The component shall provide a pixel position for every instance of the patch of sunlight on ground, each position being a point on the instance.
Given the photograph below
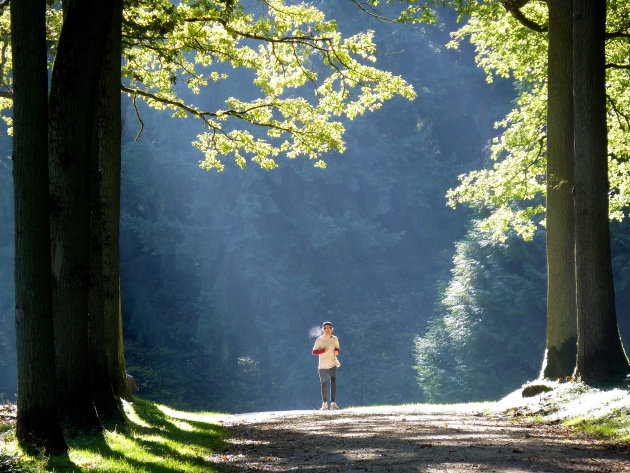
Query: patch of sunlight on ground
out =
(155, 440)
(193, 416)
(132, 416)
(604, 412)
(567, 400)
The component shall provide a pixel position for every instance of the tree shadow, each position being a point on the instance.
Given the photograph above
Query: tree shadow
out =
(150, 442)
(428, 444)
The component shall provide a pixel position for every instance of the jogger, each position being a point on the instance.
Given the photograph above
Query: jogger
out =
(327, 348)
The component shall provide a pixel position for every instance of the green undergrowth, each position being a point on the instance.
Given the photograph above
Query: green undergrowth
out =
(616, 425)
(156, 439)
(603, 412)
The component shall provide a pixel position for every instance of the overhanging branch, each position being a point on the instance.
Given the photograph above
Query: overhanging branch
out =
(367, 11)
(619, 113)
(513, 8)
(611, 65)
(240, 114)
(617, 34)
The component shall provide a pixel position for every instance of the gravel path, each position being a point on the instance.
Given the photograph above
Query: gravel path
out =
(409, 439)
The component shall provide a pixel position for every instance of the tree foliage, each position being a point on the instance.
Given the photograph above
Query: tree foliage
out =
(288, 47)
(171, 52)
(506, 46)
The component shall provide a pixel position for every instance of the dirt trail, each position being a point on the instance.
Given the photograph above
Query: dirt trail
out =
(409, 439)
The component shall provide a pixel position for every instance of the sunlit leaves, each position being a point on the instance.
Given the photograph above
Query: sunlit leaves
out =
(288, 48)
(503, 46)
(618, 101)
(307, 76)
(515, 184)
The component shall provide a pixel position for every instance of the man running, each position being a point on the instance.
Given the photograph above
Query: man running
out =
(327, 348)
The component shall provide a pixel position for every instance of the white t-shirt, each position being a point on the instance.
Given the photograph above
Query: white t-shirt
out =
(329, 359)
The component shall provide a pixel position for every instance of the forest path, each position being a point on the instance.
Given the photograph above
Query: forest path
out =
(420, 438)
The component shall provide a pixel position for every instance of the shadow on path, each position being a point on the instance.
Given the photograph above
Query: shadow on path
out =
(414, 440)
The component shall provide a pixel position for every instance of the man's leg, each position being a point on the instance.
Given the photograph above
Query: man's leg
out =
(323, 377)
(333, 388)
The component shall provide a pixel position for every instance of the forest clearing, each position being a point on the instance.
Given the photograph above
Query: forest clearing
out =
(473, 236)
(515, 434)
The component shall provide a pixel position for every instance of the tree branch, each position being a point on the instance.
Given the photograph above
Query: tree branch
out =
(513, 8)
(541, 150)
(307, 40)
(617, 66)
(6, 95)
(241, 114)
(365, 10)
(619, 113)
(617, 34)
(138, 116)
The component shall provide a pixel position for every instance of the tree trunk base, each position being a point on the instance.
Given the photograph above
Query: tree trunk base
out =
(39, 432)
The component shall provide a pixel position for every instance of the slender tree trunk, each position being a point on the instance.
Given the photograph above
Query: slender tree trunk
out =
(111, 211)
(600, 354)
(561, 311)
(106, 348)
(37, 419)
(72, 137)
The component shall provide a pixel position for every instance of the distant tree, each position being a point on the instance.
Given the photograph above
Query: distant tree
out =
(38, 421)
(600, 355)
(487, 331)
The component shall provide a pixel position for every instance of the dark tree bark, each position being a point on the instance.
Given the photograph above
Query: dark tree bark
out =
(109, 382)
(111, 159)
(37, 418)
(561, 310)
(72, 138)
(600, 354)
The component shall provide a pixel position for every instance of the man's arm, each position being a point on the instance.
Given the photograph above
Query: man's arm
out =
(317, 350)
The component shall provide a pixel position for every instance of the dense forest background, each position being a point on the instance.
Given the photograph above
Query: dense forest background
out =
(226, 277)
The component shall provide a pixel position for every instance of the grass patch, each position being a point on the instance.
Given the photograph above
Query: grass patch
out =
(156, 439)
(615, 425)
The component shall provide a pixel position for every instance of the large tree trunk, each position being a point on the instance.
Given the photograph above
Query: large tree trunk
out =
(37, 421)
(561, 311)
(600, 353)
(72, 137)
(106, 348)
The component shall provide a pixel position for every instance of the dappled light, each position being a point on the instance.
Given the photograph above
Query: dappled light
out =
(156, 440)
(409, 438)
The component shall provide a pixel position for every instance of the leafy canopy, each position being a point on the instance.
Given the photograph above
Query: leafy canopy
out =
(510, 40)
(308, 78)
(515, 184)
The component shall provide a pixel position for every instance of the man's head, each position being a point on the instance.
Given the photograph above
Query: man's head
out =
(327, 328)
